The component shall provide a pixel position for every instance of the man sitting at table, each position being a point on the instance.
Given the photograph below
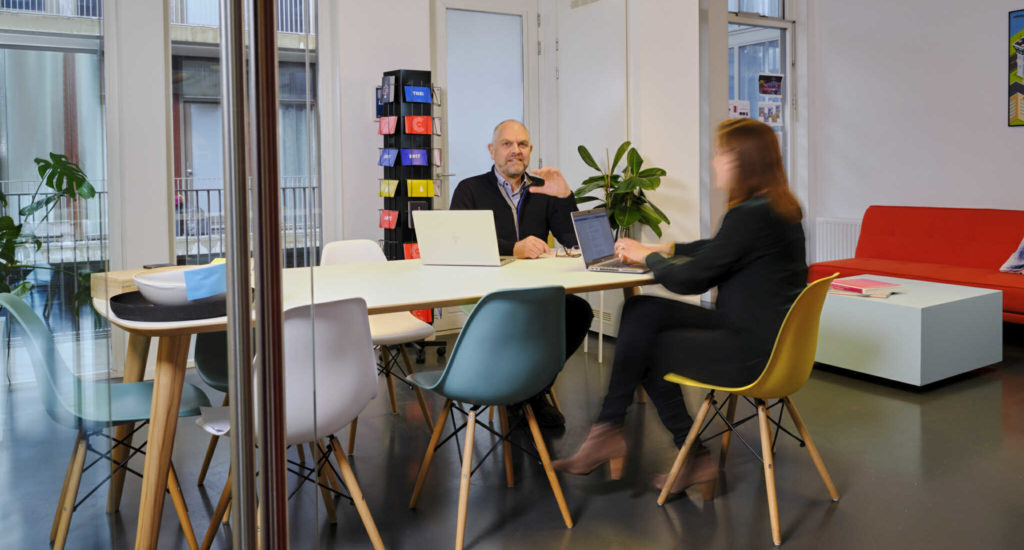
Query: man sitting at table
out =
(526, 208)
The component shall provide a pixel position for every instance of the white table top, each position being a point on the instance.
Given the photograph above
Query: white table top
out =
(917, 294)
(405, 285)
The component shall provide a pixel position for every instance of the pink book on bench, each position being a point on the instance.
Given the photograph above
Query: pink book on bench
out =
(864, 286)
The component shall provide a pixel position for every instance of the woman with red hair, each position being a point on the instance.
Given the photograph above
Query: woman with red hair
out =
(757, 261)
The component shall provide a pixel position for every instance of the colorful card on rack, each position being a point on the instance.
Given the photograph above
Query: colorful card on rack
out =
(435, 156)
(412, 251)
(417, 94)
(387, 157)
(418, 125)
(388, 188)
(420, 188)
(437, 126)
(380, 103)
(414, 157)
(414, 206)
(387, 89)
(388, 219)
(425, 315)
(436, 90)
(386, 125)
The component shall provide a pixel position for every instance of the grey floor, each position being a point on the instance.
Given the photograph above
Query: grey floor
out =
(940, 468)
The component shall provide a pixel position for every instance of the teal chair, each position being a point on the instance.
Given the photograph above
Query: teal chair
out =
(90, 408)
(511, 347)
(211, 358)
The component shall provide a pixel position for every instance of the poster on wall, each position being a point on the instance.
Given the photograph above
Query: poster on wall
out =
(769, 84)
(770, 113)
(1016, 114)
(739, 108)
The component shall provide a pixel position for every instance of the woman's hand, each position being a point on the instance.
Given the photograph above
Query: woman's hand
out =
(632, 252)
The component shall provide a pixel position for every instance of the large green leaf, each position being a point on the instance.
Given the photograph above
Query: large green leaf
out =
(652, 172)
(634, 161)
(588, 188)
(39, 204)
(658, 210)
(652, 222)
(588, 158)
(651, 213)
(649, 183)
(627, 215)
(618, 155)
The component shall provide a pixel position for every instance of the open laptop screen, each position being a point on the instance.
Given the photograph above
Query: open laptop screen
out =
(594, 234)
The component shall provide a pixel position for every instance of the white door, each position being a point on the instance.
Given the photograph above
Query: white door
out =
(485, 62)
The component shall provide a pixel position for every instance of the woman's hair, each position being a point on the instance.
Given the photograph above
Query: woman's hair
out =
(759, 169)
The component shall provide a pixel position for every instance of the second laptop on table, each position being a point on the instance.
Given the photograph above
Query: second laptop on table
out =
(594, 233)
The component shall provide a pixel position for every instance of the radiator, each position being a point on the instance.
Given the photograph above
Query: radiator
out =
(835, 239)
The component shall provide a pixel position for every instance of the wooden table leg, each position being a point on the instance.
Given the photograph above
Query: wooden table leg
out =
(134, 368)
(630, 291)
(172, 353)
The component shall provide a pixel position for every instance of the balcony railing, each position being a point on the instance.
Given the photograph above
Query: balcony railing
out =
(293, 16)
(75, 236)
(92, 9)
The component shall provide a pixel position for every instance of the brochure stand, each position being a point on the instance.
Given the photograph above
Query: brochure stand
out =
(408, 148)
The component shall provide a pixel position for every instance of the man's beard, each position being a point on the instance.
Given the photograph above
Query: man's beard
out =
(513, 171)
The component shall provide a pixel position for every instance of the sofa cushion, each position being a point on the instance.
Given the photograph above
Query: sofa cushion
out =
(1012, 284)
(969, 237)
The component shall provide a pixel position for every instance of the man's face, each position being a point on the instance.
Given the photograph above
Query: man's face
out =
(510, 150)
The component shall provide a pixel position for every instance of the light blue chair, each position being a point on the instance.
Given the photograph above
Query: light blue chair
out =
(90, 408)
(511, 347)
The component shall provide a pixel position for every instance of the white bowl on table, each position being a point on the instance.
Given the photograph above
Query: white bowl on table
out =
(166, 288)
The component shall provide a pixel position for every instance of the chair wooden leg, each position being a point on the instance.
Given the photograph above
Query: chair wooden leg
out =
(769, 471)
(467, 470)
(227, 514)
(554, 399)
(389, 379)
(64, 487)
(730, 415)
(218, 513)
(67, 506)
(212, 446)
(321, 476)
(506, 447)
(357, 495)
(545, 460)
(812, 449)
(641, 395)
(490, 415)
(181, 509)
(327, 468)
(134, 368)
(302, 453)
(419, 393)
(352, 435)
(429, 456)
(684, 453)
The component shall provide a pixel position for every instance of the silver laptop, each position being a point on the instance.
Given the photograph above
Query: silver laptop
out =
(457, 237)
(594, 234)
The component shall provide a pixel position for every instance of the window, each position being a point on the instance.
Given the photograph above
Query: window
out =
(767, 8)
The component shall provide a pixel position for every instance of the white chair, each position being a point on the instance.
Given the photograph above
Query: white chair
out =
(390, 331)
(327, 353)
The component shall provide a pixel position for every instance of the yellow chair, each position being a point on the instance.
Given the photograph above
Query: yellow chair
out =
(786, 372)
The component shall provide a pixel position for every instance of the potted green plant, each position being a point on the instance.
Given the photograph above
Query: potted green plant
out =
(59, 178)
(624, 192)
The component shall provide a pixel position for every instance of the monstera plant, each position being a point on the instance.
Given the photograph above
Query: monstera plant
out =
(59, 179)
(623, 193)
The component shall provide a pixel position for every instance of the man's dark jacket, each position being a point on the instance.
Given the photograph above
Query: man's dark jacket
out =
(538, 213)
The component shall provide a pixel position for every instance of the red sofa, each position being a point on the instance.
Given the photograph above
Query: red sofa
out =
(960, 246)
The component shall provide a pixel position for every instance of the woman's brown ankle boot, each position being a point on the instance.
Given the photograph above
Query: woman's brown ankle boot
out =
(604, 443)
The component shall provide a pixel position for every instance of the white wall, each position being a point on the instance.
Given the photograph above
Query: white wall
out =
(370, 38)
(909, 106)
